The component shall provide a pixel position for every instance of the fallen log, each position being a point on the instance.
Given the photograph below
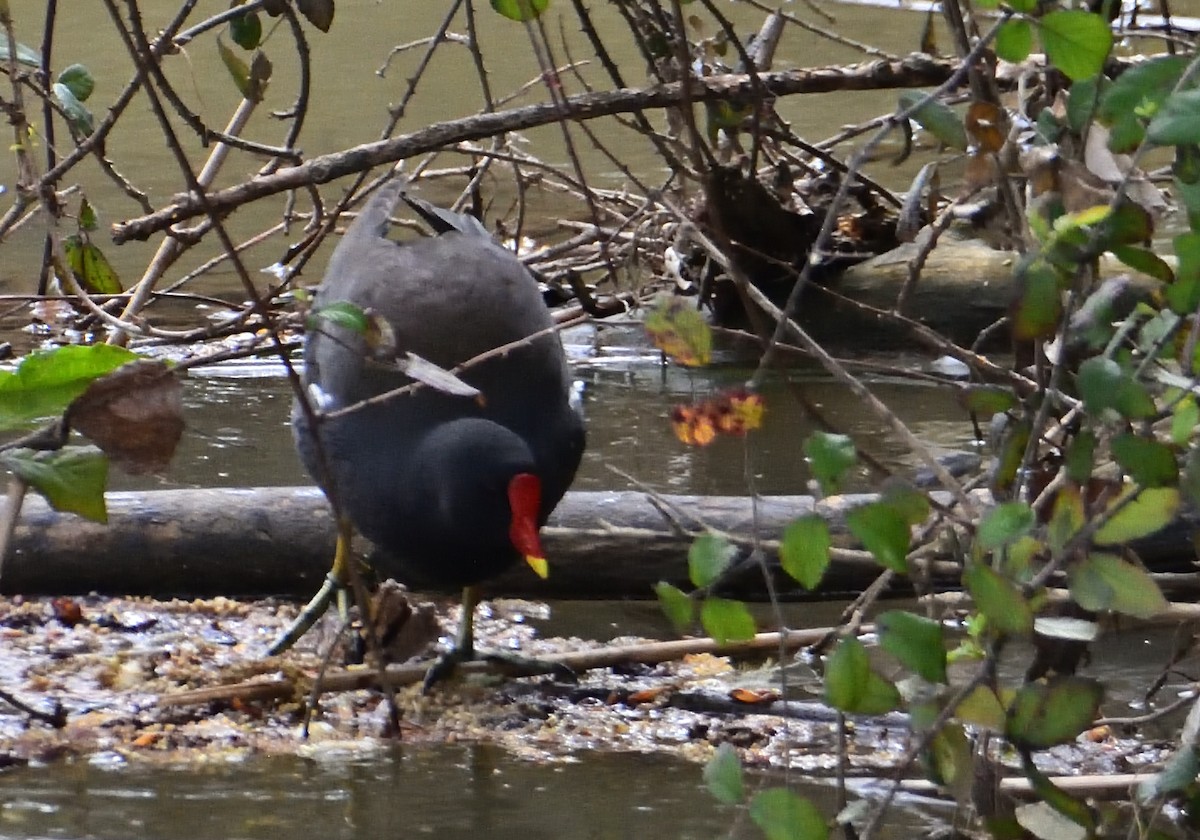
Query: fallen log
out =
(279, 541)
(965, 286)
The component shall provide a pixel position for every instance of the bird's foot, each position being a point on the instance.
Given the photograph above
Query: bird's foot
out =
(444, 667)
(308, 616)
(508, 664)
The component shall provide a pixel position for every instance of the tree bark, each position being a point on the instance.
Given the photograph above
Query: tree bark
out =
(916, 70)
(280, 540)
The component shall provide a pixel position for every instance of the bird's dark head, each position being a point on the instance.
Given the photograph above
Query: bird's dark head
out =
(480, 482)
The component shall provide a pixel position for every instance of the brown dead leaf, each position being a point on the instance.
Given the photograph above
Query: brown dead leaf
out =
(647, 695)
(732, 413)
(985, 122)
(1080, 188)
(147, 739)
(1040, 166)
(67, 611)
(402, 630)
(754, 696)
(134, 414)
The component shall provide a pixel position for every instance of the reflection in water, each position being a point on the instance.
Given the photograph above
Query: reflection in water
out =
(448, 792)
(238, 433)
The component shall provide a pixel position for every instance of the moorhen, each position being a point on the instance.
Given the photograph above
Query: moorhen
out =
(453, 488)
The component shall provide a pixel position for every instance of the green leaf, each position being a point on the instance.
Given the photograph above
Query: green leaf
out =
(1014, 41)
(981, 708)
(1186, 167)
(1076, 42)
(726, 621)
(1083, 100)
(951, 759)
(723, 775)
(91, 268)
(1145, 261)
(1067, 517)
(1087, 217)
(1050, 128)
(1145, 460)
(678, 607)
(246, 31)
(1048, 817)
(883, 531)
(937, 118)
(342, 314)
(1004, 524)
(907, 501)
(804, 550)
(916, 641)
(679, 331)
(25, 55)
(1046, 714)
(1177, 123)
(783, 815)
(72, 479)
(45, 383)
(1106, 582)
(1012, 451)
(1141, 90)
(81, 119)
(1183, 295)
(708, 557)
(1016, 562)
(999, 600)
(1184, 419)
(829, 457)
(1126, 134)
(846, 674)
(238, 69)
(78, 80)
(1152, 510)
(1103, 385)
(987, 400)
(520, 10)
(87, 215)
(1187, 193)
(1038, 304)
(851, 685)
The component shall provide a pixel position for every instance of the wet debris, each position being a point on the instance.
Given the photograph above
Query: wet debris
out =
(105, 665)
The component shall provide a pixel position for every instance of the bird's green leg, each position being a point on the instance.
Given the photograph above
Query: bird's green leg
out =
(333, 587)
(464, 643)
(464, 651)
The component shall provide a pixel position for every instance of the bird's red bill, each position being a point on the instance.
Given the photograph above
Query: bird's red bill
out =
(525, 501)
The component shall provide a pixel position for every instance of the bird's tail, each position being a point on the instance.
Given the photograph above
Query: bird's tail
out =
(372, 221)
(444, 221)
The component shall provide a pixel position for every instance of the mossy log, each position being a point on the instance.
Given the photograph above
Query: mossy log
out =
(279, 541)
(965, 286)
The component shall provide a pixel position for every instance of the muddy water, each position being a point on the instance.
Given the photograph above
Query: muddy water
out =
(350, 102)
(238, 425)
(448, 793)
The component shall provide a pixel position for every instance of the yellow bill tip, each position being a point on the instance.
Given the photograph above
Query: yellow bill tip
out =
(539, 565)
